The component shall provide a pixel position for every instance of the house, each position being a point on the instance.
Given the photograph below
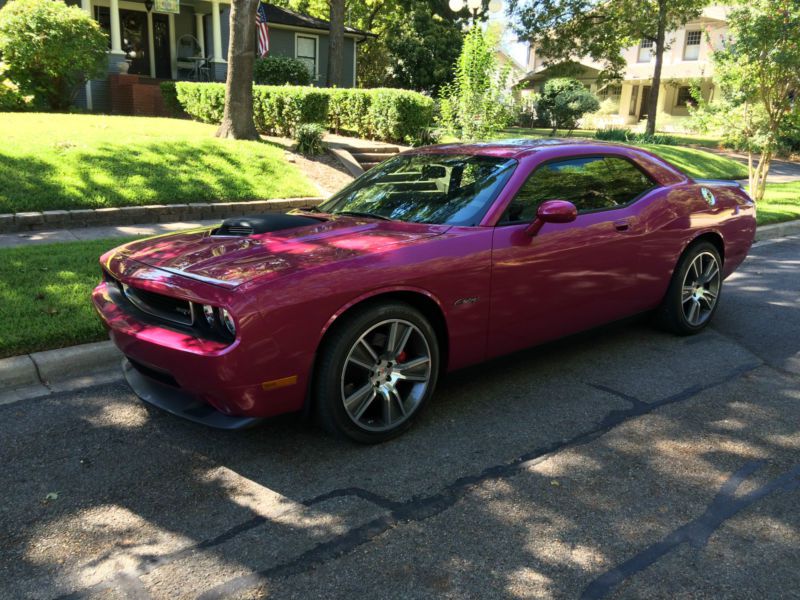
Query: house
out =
(156, 40)
(687, 62)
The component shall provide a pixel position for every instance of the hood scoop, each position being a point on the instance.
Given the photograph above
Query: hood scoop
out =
(254, 224)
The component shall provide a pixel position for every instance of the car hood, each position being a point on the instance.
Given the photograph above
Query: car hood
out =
(231, 261)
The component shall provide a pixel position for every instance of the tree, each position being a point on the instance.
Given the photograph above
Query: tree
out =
(418, 40)
(564, 101)
(758, 74)
(336, 43)
(566, 30)
(472, 106)
(237, 120)
(50, 49)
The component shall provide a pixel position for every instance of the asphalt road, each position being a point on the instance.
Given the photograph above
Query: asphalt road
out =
(624, 463)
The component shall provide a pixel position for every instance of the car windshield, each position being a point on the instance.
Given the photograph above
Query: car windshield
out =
(443, 189)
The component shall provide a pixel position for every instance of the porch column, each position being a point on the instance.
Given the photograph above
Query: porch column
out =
(151, 45)
(201, 33)
(173, 46)
(216, 32)
(116, 34)
(86, 5)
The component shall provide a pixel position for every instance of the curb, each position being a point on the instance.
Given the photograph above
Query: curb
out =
(152, 213)
(43, 373)
(778, 230)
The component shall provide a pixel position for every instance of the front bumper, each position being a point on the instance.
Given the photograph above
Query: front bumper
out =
(181, 373)
(180, 403)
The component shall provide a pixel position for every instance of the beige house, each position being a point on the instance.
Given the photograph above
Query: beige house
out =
(686, 61)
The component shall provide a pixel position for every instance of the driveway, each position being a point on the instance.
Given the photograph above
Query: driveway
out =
(623, 463)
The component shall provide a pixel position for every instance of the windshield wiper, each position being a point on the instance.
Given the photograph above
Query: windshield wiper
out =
(358, 213)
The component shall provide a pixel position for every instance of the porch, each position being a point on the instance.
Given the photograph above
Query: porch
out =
(152, 41)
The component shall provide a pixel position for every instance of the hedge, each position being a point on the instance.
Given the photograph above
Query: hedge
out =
(383, 114)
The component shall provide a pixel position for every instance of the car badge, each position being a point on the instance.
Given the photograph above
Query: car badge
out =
(708, 196)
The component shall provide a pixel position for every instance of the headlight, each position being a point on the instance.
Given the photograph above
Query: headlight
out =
(228, 320)
(208, 313)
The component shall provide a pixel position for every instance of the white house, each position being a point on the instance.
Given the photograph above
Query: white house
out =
(686, 61)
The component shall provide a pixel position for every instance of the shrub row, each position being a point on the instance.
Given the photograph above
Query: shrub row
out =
(383, 114)
(616, 134)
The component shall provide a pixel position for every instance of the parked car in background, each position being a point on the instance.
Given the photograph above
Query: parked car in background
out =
(437, 259)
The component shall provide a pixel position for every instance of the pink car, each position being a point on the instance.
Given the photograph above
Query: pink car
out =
(437, 259)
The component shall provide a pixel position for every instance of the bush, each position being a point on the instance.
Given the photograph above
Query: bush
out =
(564, 101)
(281, 70)
(170, 96)
(614, 134)
(10, 97)
(384, 114)
(50, 49)
(309, 139)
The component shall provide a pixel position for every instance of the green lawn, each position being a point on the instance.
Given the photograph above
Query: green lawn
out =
(699, 163)
(781, 203)
(63, 161)
(45, 295)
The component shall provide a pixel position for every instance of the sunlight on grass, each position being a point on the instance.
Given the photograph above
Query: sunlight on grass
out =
(781, 203)
(45, 295)
(699, 163)
(61, 161)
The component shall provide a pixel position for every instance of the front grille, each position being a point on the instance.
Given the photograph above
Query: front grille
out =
(158, 305)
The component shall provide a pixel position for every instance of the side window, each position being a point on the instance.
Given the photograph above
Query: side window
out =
(590, 183)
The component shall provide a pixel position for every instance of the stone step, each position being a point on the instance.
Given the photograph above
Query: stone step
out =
(368, 165)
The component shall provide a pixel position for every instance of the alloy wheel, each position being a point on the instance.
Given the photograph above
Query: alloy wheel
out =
(385, 375)
(700, 289)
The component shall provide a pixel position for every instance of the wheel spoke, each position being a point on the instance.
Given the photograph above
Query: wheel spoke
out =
(397, 397)
(387, 407)
(710, 273)
(697, 267)
(693, 310)
(369, 349)
(357, 402)
(405, 370)
(688, 292)
(360, 363)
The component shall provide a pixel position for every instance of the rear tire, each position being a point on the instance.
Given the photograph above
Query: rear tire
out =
(693, 294)
(375, 372)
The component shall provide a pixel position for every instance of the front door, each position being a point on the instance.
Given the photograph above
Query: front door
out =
(135, 40)
(645, 100)
(161, 46)
(572, 276)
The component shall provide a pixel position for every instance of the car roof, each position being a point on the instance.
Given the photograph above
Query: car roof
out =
(516, 148)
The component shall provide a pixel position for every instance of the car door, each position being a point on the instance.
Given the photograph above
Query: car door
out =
(569, 276)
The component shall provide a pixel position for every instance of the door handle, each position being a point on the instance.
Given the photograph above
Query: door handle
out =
(622, 225)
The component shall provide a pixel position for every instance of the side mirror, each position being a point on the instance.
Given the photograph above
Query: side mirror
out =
(552, 211)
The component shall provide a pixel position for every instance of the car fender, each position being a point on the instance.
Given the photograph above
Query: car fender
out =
(374, 293)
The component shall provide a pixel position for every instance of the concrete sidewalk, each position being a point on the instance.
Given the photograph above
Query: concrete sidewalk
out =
(51, 236)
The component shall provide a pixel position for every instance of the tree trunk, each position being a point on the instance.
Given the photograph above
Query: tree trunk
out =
(336, 44)
(237, 121)
(652, 99)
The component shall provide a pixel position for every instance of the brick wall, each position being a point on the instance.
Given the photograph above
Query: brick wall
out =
(135, 95)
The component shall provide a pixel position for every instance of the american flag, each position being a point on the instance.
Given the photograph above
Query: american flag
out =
(263, 31)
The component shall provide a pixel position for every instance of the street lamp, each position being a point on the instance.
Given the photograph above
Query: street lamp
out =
(474, 6)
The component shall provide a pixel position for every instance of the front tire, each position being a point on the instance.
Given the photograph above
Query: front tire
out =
(693, 294)
(375, 372)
